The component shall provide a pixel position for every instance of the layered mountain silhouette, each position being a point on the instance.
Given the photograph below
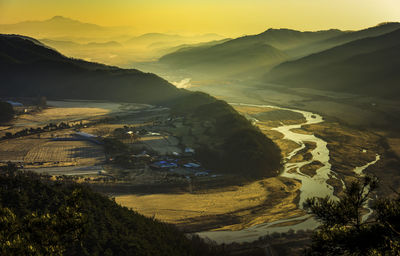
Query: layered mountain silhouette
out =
(244, 56)
(366, 66)
(226, 58)
(120, 46)
(250, 56)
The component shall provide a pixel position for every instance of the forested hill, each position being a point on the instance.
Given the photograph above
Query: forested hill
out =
(44, 217)
(367, 66)
(28, 68)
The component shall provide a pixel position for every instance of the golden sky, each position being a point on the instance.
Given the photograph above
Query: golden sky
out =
(227, 17)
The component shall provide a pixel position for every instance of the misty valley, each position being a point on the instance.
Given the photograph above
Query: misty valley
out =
(284, 142)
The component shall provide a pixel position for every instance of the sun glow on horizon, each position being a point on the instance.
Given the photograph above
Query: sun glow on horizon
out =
(230, 18)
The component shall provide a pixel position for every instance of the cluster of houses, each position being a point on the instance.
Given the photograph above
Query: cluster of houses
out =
(183, 164)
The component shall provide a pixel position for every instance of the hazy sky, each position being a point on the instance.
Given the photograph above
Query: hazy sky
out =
(228, 17)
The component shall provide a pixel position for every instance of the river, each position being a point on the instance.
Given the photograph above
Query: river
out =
(315, 186)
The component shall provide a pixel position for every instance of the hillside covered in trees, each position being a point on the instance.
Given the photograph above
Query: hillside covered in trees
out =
(44, 217)
(231, 143)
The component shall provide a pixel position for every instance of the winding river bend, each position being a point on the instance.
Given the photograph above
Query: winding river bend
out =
(315, 186)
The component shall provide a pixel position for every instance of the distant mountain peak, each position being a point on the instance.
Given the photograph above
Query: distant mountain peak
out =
(60, 18)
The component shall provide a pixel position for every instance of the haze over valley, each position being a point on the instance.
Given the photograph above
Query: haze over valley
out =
(199, 129)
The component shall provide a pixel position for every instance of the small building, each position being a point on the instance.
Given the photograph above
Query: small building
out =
(191, 165)
(163, 165)
(14, 103)
(189, 150)
(153, 134)
(201, 174)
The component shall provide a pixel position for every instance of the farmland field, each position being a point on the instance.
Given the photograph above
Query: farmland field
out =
(48, 152)
(75, 152)
(16, 150)
(56, 115)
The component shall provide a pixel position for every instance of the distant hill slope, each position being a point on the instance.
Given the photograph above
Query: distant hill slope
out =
(284, 39)
(227, 58)
(367, 66)
(29, 69)
(245, 55)
(159, 39)
(70, 44)
(187, 46)
(342, 38)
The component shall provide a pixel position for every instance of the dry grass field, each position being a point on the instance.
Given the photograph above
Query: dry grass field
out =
(258, 202)
(57, 115)
(270, 116)
(251, 110)
(348, 147)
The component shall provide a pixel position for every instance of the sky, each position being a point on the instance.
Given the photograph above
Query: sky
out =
(227, 17)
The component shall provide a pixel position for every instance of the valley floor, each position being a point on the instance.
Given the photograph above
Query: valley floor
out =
(209, 203)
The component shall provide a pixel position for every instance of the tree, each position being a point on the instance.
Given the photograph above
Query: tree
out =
(6, 112)
(102, 131)
(42, 101)
(344, 232)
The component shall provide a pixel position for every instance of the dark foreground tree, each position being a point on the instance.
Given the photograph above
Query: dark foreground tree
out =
(6, 112)
(343, 230)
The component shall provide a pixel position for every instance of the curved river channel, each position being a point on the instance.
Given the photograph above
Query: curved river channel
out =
(315, 186)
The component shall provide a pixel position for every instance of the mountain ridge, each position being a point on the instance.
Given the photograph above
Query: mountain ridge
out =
(291, 44)
(360, 66)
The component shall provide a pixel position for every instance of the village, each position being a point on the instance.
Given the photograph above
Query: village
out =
(136, 147)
